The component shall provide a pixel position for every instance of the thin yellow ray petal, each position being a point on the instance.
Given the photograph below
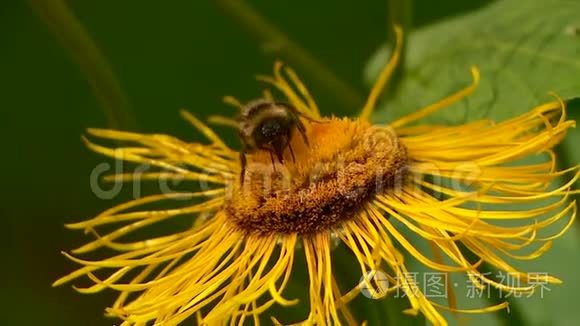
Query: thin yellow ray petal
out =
(223, 121)
(123, 155)
(384, 76)
(233, 102)
(497, 307)
(416, 253)
(574, 208)
(204, 129)
(124, 230)
(159, 197)
(102, 219)
(441, 104)
(304, 91)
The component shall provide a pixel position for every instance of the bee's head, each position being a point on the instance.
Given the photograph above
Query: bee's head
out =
(269, 126)
(274, 131)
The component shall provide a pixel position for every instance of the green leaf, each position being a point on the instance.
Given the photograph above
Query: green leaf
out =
(524, 49)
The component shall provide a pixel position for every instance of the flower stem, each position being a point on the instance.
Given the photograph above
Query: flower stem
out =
(72, 35)
(269, 35)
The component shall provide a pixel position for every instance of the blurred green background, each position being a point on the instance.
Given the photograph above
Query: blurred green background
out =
(165, 56)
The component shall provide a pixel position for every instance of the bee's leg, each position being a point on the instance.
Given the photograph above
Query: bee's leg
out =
(302, 130)
(273, 163)
(278, 146)
(292, 152)
(243, 165)
(279, 155)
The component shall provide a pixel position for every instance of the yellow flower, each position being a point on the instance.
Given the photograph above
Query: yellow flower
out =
(361, 183)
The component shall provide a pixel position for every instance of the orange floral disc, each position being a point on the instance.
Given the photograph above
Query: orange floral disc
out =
(345, 163)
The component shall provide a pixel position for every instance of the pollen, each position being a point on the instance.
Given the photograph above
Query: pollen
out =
(318, 184)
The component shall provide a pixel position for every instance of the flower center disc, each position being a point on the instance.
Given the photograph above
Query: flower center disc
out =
(345, 163)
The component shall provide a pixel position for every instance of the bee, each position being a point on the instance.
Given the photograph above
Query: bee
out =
(267, 125)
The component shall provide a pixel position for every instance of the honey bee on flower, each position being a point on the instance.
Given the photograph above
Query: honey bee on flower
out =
(303, 180)
(267, 125)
